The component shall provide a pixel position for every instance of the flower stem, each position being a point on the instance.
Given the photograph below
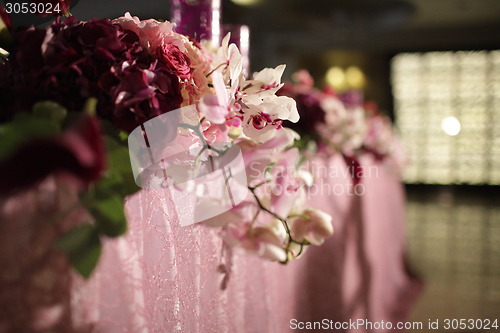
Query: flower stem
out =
(283, 221)
(216, 68)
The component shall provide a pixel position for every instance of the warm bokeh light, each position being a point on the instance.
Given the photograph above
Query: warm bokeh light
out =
(451, 126)
(354, 77)
(246, 2)
(335, 77)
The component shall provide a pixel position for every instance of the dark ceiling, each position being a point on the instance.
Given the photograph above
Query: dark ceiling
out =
(310, 34)
(297, 27)
(374, 24)
(316, 34)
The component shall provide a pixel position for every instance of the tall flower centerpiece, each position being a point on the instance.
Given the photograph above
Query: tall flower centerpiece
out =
(123, 73)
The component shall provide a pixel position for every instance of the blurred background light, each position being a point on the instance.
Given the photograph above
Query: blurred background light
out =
(428, 87)
(246, 2)
(450, 126)
(354, 77)
(336, 78)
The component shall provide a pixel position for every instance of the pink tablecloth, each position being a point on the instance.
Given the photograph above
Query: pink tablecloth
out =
(162, 277)
(359, 273)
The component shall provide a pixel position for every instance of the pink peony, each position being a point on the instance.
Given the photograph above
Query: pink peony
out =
(152, 33)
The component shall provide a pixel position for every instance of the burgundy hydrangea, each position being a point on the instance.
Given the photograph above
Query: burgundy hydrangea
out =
(138, 93)
(73, 60)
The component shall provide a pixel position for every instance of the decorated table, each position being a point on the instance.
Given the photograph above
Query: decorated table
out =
(161, 277)
(150, 185)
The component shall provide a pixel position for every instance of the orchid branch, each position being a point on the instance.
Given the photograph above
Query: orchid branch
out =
(283, 221)
(216, 68)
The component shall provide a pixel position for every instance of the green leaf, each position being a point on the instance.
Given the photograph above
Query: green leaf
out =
(105, 200)
(123, 136)
(22, 129)
(119, 168)
(90, 106)
(50, 110)
(118, 157)
(109, 215)
(44, 122)
(83, 248)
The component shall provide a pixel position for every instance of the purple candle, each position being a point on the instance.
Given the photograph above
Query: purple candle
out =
(240, 36)
(199, 19)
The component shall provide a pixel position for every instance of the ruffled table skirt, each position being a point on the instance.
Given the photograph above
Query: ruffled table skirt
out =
(161, 277)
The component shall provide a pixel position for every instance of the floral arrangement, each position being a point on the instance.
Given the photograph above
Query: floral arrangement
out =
(71, 93)
(344, 126)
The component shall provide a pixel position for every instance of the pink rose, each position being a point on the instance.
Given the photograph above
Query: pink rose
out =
(177, 62)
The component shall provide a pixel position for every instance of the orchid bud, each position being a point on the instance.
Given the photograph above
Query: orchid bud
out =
(312, 225)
